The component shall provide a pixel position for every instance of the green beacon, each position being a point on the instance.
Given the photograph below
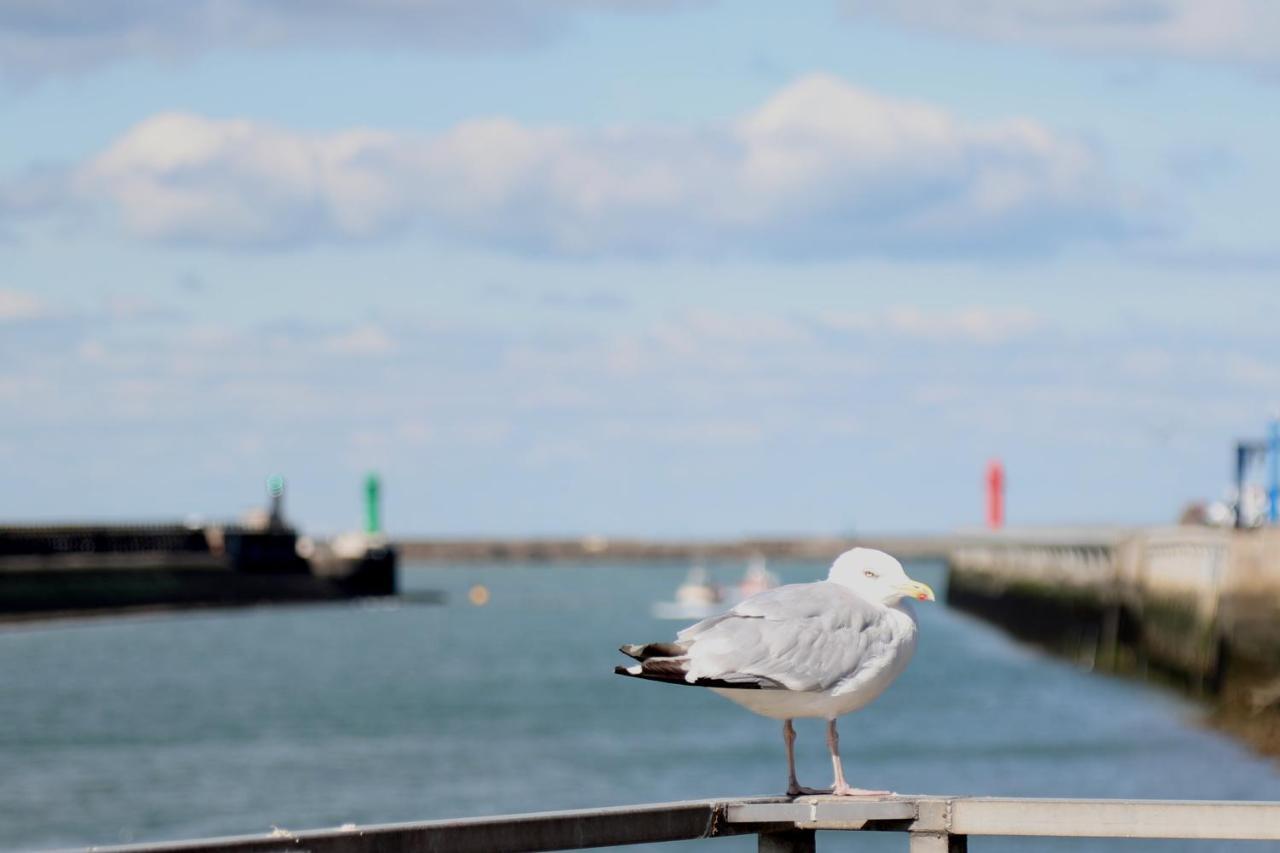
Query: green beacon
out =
(372, 504)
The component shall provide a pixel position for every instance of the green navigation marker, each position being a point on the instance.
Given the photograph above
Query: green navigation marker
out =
(275, 493)
(372, 495)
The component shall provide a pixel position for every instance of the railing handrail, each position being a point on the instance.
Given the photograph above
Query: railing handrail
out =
(932, 822)
(574, 829)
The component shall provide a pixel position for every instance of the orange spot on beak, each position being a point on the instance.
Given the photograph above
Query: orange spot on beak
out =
(919, 591)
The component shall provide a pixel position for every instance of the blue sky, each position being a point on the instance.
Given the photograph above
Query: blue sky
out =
(675, 269)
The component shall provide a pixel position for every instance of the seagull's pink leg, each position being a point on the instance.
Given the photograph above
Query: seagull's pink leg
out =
(794, 788)
(841, 788)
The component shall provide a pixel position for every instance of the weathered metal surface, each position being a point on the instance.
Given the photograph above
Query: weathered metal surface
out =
(1117, 818)
(566, 830)
(823, 813)
(937, 842)
(933, 824)
(787, 841)
(1013, 816)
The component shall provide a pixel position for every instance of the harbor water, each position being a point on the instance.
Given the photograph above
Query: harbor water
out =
(226, 722)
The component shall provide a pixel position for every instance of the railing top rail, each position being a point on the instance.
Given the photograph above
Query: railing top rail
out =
(1045, 817)
(678, 821)
(557, 830)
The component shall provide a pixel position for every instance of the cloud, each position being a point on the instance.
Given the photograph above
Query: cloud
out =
(694, 433)
(38, 38)
(366, 340)
(736, 418)
(1239, 31)
(18, 305)
(594, 300)
(32, 194)
(822, 168)
(981, 325)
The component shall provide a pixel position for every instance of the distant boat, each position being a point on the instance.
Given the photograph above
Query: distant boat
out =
(757, 579)
(697, 598)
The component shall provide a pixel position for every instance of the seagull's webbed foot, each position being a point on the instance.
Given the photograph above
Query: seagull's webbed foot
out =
(841, 787)
(843, 790)
(794, 788)
(802, 791)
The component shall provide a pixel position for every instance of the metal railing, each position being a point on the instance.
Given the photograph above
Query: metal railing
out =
(783, 825)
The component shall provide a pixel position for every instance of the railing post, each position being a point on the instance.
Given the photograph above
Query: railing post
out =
(787, 841)
(937, 842)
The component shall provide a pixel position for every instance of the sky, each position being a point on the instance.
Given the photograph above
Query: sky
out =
(676, 268)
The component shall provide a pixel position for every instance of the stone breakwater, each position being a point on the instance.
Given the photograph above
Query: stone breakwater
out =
(603, 549)
(1199, 607)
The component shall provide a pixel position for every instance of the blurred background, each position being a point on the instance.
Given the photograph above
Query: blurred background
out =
(668, 271)
(741, 269)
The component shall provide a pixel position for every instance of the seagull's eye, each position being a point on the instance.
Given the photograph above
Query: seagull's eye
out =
(870, 574)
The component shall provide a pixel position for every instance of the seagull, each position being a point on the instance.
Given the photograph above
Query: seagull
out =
(819, 649)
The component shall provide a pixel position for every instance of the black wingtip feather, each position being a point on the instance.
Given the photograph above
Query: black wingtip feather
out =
(675, 678)
(644, 651)
(667, 662)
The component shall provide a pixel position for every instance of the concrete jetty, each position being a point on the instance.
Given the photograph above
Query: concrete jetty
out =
(55, 570)
(66, 570)
(1197, 605)
(609, 549)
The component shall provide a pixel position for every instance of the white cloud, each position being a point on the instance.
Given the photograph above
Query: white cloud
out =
(822, 168)
(735, 403)
(698, 329)
(367, 339)
(19, 305)
(1245, 31)
(94, 352)
(976, 324)
(39, 37)
(1147, 363)
(695, 433)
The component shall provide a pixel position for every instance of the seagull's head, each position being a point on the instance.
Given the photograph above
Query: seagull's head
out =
(877, 577)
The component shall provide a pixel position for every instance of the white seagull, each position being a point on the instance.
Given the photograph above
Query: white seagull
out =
(802, 650)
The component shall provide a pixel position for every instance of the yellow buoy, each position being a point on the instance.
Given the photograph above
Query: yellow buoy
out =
(479, 595)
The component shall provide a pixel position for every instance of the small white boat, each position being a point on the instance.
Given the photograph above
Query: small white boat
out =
(697, 598)
(757, 579)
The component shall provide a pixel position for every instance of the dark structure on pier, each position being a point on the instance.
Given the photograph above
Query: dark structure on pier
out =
(67, 569)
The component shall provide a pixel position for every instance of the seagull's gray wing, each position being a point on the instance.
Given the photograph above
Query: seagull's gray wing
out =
(804, 637)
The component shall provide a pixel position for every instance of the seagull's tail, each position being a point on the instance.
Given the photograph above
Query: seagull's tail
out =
(668, 662)
(643, 652)
(658, 662)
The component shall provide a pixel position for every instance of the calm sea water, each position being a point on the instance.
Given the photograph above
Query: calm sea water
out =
(203, 724)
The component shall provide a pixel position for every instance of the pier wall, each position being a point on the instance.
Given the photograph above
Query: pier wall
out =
(598, 549)
(1199, 606)
(61, 570)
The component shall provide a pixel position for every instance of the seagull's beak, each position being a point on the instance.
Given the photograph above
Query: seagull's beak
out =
(917, 590)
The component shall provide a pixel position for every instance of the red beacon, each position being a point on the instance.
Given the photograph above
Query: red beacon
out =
(995, 494)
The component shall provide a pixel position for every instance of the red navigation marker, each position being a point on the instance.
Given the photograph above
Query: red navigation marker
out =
(995, 494)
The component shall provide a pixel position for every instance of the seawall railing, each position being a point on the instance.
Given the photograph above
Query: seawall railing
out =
(932, 824)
